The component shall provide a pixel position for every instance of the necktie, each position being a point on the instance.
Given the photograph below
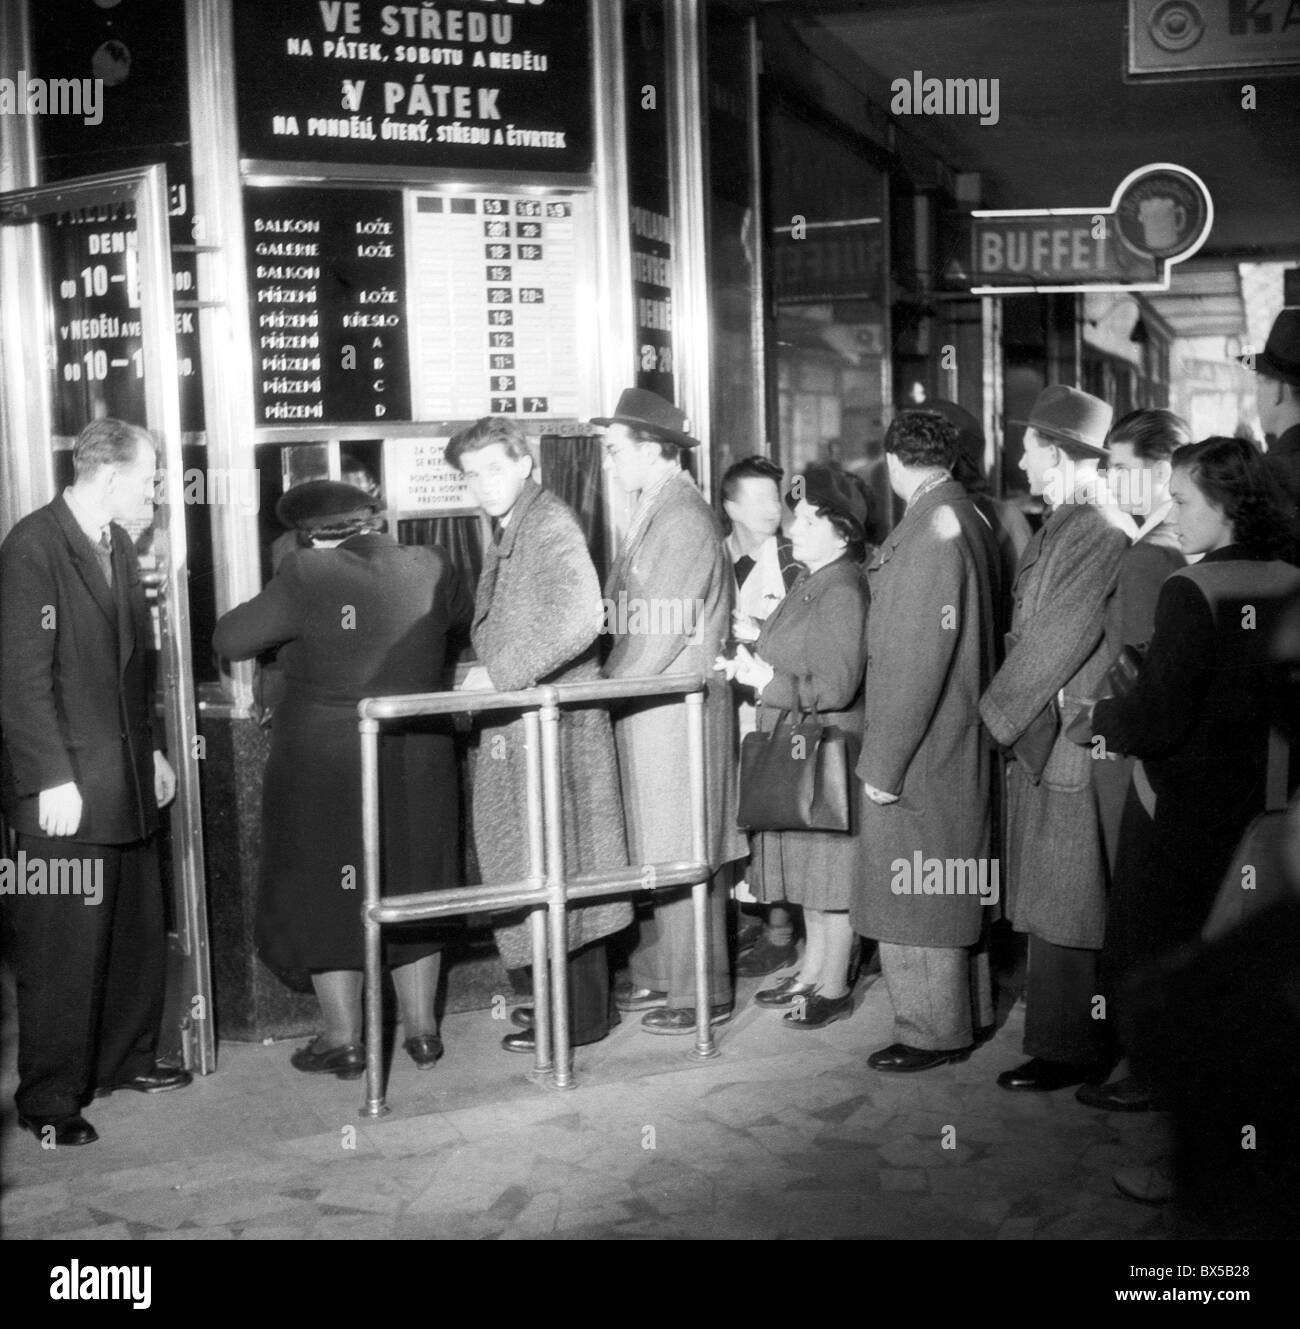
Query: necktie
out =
(104, 552)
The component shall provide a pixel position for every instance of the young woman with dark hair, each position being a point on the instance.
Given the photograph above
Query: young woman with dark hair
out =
(1200, 713)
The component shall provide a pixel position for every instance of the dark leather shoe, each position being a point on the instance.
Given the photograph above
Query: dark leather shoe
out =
(1043, 1076)
(523, 1017)
(628, 998)
(816, 1012)
(900, 1057)
(765, 958)
(424, 1050)
(681, 1019)
(1126, 1095)
(525, 1040)
(70, 1130)
(785, 992)
(156, 1081)
(347, 1062)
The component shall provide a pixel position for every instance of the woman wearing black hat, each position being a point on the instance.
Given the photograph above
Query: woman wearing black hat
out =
(358, 615)
(811, 653)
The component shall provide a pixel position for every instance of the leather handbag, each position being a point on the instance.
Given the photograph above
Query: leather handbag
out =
(1122, 676)
(797, 777)
(1120, 680)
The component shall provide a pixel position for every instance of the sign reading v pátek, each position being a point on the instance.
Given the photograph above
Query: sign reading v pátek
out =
(1159, 215)
(499, 85)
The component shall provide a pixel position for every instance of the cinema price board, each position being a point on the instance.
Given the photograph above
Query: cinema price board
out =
(1160, 215)
(327, 282)
(493, 294)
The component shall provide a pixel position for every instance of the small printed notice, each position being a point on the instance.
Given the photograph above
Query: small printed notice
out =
(419, 479)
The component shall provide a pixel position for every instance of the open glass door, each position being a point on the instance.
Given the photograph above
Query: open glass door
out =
(89, 330)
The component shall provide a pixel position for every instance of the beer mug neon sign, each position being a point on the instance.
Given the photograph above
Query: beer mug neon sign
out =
(1160, 215)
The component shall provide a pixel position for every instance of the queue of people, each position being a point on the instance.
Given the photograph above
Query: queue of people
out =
(1082, 744)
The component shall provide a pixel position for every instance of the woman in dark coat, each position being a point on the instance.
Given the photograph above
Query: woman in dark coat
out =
(537, 618)
(1198, 717)
(811, 653)
(357, 615)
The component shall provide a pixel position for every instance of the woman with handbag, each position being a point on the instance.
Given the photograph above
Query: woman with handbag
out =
(810, 657)
(1198, 715)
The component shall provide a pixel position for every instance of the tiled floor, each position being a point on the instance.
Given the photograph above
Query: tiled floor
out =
(784, 1134)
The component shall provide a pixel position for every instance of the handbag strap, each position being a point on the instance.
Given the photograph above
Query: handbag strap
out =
(1279, 760)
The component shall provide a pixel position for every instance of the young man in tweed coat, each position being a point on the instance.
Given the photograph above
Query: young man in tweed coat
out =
(1056, 659)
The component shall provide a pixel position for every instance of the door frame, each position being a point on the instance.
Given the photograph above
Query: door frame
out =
(145, 190)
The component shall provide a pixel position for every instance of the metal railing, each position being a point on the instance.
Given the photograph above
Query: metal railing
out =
(547, 888)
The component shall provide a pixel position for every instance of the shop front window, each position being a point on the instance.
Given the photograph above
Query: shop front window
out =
(827, 209)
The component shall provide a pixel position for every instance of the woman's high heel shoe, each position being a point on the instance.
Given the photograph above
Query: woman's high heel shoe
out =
(785, 993)
(346, 1063)
(424, 1050)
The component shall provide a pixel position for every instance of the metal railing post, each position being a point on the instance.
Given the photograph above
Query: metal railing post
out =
(542, 1058)
(374, 1106)
(557, 914)
(548, 890)
(704, 1045)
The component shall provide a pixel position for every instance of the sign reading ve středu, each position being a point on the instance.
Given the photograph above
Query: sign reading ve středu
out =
(499, 85)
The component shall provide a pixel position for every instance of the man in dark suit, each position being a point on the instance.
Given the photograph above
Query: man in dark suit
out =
(1278, 370)
(81, 782)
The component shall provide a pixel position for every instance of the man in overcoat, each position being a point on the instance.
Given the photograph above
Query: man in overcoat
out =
(668, 610)
(1139, 464)
(925, 878)
(537, 619)
(1056, 868)
(82, 779)
(1277, 368)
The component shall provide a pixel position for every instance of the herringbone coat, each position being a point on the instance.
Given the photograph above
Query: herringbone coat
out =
(676, 559)
(1055, 878)
(537, 617)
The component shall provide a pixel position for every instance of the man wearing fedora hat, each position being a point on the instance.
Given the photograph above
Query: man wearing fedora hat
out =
(1056, 660)
(1278, 370)
(671, 593)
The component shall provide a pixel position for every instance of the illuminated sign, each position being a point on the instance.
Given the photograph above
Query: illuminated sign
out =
(1211, 38)
(1159, 215)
